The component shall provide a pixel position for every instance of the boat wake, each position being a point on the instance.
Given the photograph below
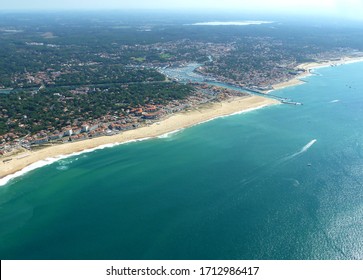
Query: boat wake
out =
(293, 181)
(307, 146)
(303, 150)
(269, 169)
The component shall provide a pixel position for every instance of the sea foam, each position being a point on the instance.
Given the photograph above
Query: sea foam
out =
(51, 160)
(48, 161)
(169, 134)
(307, 146)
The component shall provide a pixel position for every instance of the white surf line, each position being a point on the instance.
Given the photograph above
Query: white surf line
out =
(48, 161)
(51, 160)
(169, 134)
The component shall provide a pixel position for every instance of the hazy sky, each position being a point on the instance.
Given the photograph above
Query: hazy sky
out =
(342, 8)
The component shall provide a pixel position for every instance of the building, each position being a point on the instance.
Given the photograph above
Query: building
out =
(55, 136)
(152, 116)
(76, 130)
(93, 127)
(85, 128)
(68, 132)
(39, 141)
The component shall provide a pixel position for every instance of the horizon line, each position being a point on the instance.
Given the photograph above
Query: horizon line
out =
(196, 11)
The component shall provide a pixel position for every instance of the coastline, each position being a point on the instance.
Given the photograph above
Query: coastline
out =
(30, 160)
(310, 66)
(24, 162)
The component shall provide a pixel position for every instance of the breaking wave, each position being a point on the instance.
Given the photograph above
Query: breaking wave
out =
(169, 134)
(51, 160)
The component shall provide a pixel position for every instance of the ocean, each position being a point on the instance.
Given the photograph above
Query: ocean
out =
(282, 182)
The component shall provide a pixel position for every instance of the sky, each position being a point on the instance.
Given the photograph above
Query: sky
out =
(341, 8)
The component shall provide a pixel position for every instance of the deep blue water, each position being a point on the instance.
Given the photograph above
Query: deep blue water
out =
(283, 182)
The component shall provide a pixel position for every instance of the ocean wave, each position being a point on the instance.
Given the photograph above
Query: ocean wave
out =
(233, 114)
(51, 160)
(169, 134)
(334, 101)
(31, 167)
(247, 110)
(5, 180)
(62, 167)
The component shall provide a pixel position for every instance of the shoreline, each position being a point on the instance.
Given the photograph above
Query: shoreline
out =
(27, 161)
(308, 66)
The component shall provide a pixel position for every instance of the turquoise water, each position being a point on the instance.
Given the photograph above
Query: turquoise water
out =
(249, 186)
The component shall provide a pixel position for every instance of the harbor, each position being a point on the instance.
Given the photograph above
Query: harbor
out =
(187, 74)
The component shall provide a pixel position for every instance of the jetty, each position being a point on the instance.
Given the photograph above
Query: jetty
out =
(291, 102)
(283, 100)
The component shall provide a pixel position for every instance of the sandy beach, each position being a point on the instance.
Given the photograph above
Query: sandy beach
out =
(20, 163)
(310, 66)
(171, 123)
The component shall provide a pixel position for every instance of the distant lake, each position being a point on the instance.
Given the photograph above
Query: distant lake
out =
(241, 23)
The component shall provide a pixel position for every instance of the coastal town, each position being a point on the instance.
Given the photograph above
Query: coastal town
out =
(133, 117)
(56, 90)
(181, 139)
